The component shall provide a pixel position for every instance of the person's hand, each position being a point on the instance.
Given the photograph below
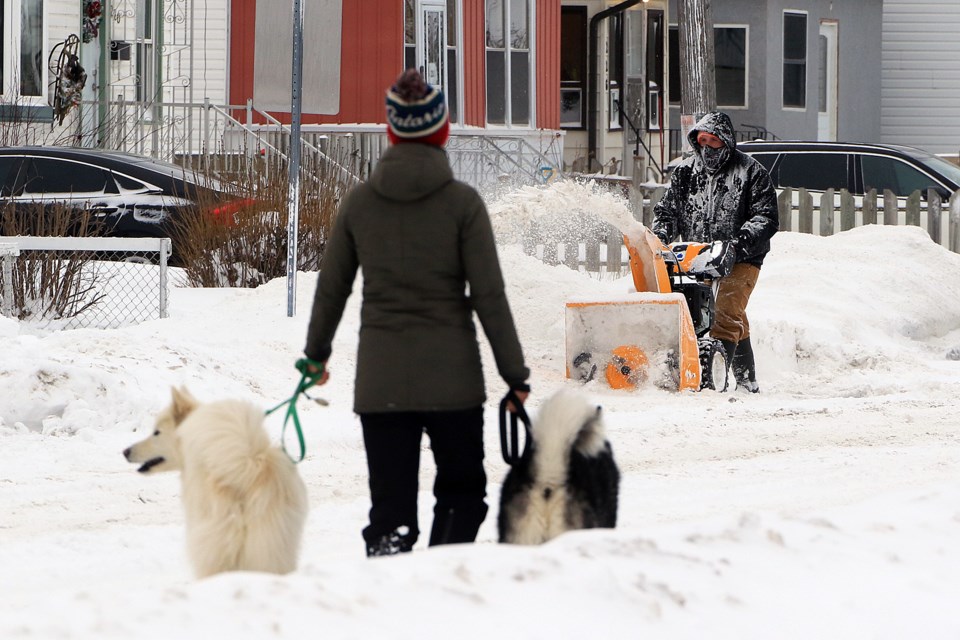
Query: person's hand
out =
(522, 396)
(315, 372)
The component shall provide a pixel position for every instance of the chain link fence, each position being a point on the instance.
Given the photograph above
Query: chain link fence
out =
(53, 283)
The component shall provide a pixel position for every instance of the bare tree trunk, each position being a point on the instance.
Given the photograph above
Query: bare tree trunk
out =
(698, 93)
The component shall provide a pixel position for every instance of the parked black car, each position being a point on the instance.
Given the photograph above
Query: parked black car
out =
(856, 167)
(133, 196)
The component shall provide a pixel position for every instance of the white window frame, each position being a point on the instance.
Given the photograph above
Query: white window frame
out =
(508, 80)
(746, 66)
(12, 31)
(806, 64)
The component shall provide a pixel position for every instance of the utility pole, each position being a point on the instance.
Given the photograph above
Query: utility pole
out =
(698, 90)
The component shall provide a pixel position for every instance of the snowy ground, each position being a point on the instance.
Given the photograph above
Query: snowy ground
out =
(827, 506)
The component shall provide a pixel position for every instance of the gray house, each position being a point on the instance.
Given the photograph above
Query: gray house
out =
(921, 76)
(798, 69)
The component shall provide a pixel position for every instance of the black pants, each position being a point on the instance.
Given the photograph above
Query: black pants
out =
(392, 441)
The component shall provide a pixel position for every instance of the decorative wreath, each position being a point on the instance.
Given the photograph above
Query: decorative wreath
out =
(92, 10)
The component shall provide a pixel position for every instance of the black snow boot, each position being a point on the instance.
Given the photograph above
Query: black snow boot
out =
(454, 526)
(729, 348)
(744, 369)
(390, 544)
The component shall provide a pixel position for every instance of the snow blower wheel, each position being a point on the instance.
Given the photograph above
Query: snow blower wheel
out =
(627, 368)
(713, 365)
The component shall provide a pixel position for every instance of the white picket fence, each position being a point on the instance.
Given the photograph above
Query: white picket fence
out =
(800, 211)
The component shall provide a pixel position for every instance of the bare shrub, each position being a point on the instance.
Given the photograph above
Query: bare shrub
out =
(242, 241)
(47, 284)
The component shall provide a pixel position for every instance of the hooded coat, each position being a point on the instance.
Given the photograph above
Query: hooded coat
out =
(426, 247)
(737, 201)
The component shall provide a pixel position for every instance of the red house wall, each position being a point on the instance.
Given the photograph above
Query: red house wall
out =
(548, 64)
(371, 57)
(474, 63)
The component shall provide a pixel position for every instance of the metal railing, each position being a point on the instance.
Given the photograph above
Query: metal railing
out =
(67, 283)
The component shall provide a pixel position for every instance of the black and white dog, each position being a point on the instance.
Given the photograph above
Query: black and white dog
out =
(566, 479)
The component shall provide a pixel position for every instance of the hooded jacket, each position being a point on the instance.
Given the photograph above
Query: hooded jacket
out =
(426, 247)
(737, 201)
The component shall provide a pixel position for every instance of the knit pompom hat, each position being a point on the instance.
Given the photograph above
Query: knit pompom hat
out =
(416, 111)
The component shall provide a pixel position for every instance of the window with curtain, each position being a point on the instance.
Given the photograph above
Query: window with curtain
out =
(794, 60)
(508, 60)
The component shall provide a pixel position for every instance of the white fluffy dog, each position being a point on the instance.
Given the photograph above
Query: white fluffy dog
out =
(567, 478)
(245, 504)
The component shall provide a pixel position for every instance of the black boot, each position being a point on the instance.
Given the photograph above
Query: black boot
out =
(453, 526)
(743, 367)
(391, 544)
(729, 348)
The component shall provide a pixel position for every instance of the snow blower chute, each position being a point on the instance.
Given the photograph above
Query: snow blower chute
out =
(660, 333)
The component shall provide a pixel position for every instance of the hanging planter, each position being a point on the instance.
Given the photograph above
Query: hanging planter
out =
(92, 10)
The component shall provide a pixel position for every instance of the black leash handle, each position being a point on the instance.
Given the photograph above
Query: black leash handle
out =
(510, 450)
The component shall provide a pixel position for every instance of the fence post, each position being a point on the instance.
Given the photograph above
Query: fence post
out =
(848, 211)
(164, 253)
(826, 213)
(870, 207)
(206, 135)
(8, 252)
(614, 246)
(890, 207)
(913, 209)
(955, 222)
(806, 212)
(785, 209)
(934, 215)
(592, 255)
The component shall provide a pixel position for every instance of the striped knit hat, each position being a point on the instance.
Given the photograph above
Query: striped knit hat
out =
(416, 111)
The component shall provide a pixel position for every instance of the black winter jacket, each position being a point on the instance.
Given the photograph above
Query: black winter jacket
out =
(737, 201)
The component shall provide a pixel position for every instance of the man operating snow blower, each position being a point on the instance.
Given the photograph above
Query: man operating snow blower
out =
(719, 193)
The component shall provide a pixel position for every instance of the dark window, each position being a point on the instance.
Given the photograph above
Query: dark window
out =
(729, 65)
(816, 171)
(573, 66)
(51, 176)
(896, 175)
(794, 60)
(129, 184)
(8, 173)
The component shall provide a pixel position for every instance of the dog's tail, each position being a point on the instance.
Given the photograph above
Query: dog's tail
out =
(229, 440)
(566, 421)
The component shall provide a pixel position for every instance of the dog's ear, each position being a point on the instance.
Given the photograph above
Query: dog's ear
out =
(183, 403)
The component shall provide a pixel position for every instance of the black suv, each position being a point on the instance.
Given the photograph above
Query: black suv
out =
(818, 166)
(134, 196)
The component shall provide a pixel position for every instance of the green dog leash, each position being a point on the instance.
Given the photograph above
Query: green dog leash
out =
(307, 379)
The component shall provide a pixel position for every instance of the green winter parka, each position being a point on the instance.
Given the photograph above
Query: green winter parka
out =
(426, 248)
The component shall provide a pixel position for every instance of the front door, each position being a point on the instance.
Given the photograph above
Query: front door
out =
(828, 72)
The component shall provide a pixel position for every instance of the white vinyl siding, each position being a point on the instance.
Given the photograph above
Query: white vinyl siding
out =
(920, 80)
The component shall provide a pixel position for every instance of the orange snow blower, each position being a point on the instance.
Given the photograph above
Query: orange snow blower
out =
(660, 333)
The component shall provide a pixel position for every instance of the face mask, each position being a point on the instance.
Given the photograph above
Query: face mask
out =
(713, 159)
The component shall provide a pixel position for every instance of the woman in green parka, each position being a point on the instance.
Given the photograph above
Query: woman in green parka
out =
(426, 248)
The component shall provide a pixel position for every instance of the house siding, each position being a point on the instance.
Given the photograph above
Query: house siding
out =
(474, 64)
(371, 57)
(920, 77)
(548, 64)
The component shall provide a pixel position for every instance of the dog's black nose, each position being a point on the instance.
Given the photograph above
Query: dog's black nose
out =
(126, 453)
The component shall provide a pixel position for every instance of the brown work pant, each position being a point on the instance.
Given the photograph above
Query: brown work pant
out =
(730, 322)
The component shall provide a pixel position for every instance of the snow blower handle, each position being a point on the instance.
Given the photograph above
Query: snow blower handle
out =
(511, 451)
